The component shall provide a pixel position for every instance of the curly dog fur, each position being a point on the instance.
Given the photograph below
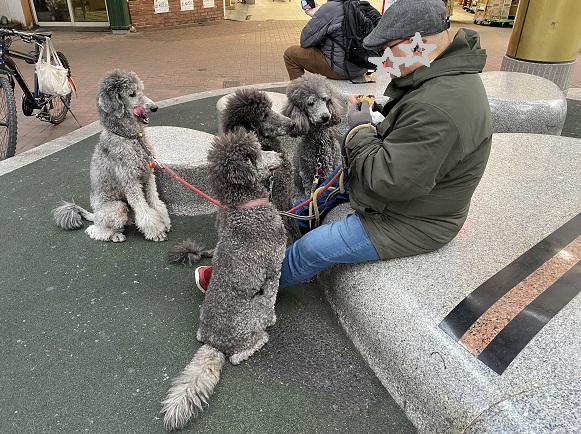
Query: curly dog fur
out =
(123, 185)
(252, 109)
(239, 303)
(313, 105)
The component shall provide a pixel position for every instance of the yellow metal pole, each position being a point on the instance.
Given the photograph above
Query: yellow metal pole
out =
(546, 31)
(545, 40)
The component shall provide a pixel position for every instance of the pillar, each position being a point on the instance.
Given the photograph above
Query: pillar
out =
(545, 40)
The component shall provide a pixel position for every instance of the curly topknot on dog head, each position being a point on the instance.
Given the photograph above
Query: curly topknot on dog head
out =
(232, 165)
(246, 108)
(114, 84)
(303, 93)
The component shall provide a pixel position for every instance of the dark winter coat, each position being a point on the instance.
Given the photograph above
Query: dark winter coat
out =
(412, 179)
(322, 30)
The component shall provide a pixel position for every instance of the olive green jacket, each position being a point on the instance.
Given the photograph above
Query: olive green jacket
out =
(412, 177)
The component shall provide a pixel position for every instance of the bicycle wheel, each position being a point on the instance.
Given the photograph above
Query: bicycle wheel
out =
(7, 120)
(58, 106)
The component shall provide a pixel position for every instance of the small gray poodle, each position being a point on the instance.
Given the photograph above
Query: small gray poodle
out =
(313, 105)
(123, 186)
(239, 303)
(252, 109)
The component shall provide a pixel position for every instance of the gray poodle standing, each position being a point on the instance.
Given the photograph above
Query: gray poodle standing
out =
(122, 182)
(313, 105)
(252, 109)
(239, 303)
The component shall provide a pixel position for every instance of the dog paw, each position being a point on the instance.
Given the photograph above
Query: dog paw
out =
(151, 226)
(103, 234)
(199, 335)
(161, 210)
(118, 237)
(161, 236)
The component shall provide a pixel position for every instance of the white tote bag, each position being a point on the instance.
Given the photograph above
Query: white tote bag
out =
(52, 76)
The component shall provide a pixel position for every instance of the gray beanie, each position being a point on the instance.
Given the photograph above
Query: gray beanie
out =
(403, 18)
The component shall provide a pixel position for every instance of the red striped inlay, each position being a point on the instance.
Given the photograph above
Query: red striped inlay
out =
(491, 323)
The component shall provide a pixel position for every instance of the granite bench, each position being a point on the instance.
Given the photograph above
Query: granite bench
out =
(519, 102)
(427, 324)
(184, 151)
(524, 103)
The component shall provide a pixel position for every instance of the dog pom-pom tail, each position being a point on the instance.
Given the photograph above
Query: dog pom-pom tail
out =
(192, 388)
(70, 216)
(187, 253)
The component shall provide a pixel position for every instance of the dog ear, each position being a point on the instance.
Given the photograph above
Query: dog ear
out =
(111, 103)
(242, 172)
(335, 109)
(302, 124)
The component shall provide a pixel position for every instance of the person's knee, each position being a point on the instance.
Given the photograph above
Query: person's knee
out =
(290, 51)
(311, 249)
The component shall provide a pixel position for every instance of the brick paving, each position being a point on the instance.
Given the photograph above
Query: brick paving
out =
(184, 60)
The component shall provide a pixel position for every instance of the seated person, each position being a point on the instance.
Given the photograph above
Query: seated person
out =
(319, 52)
(413, 174)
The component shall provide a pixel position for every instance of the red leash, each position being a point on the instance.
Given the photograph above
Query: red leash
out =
(174, 175)
(190, 186)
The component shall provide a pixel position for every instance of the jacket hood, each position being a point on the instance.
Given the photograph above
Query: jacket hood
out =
(462, 56)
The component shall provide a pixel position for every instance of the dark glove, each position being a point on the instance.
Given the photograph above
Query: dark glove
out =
(358, 114)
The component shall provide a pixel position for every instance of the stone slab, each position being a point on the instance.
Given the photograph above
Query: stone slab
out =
(519, 102)
(184, 151)
(524, 103)
(392, 309)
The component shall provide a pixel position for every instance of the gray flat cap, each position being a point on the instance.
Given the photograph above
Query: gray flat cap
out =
(403, 18)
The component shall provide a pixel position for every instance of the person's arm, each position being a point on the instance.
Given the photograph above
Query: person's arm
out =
(311, 12)
(406, 164)
(316, 29)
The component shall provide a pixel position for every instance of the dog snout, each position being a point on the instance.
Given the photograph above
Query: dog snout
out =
(149, 105)
(325, 117)
(270, 160)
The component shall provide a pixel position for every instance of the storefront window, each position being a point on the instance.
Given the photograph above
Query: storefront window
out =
(90, 10)
(52, 10)
(61, 10)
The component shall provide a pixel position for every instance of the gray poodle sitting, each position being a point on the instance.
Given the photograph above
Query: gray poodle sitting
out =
(123, 185)
(239, 303)
(313, 105)
(252, 109)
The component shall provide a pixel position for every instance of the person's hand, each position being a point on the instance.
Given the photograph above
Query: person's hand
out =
(358, 114)
(311, 12)
(352, 100)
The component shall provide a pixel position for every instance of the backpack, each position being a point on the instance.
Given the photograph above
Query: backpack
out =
(359, 19)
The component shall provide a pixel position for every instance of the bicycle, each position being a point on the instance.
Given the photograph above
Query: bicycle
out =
(50, 108)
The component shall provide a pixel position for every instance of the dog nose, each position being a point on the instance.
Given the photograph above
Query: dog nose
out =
(325, 117)
(153, 108)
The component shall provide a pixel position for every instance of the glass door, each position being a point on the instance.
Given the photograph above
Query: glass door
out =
(71, 12)
(89, 11)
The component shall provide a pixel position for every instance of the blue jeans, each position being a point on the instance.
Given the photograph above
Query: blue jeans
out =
(340, 242)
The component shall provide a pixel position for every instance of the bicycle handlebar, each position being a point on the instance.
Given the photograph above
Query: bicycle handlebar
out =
(25, 36)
